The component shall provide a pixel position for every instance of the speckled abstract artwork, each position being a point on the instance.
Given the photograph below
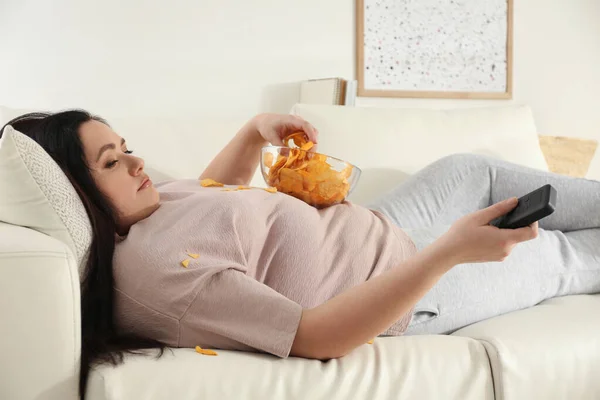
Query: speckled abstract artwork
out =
(435, 45)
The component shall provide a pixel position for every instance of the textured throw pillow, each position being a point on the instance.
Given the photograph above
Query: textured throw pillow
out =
(36, 194)
(567, 155)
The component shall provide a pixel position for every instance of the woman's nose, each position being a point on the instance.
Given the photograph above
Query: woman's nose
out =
(137, 166)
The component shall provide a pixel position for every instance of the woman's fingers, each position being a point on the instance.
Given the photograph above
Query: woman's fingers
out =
(488, 214)
(310, 131)
(301, 124)
(522, 234)
(276, 140)
(535, 228)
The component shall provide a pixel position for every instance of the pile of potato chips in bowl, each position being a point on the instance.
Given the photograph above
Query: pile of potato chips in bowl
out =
(317, 179)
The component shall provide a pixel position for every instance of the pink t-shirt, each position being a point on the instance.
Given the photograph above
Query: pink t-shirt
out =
(263, 257)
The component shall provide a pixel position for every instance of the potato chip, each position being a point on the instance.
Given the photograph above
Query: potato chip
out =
(346, 172)
(299, 139)
(206, 352)
(271, 190)
(210, 183)
(268, 160)
(193, 255)
(185, 262)
(300, 166)
(242, 187)
(307, 146)
(371, 341)
(307, 175)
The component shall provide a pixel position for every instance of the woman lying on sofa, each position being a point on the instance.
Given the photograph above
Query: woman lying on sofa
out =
(267, 272)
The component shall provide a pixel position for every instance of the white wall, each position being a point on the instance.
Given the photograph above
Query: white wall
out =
(218, 62)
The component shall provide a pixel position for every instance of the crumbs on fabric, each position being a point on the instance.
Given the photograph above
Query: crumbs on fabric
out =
(186, 262)
(206, 352)
(212, 183)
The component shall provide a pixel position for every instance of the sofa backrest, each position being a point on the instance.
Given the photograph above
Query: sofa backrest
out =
(388, 144)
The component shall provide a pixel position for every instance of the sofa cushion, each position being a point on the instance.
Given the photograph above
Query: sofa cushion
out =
(390, 143)
(423, 367)
(41, 325)
(551, 351)
(36, 194)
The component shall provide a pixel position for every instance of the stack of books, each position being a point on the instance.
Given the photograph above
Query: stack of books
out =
(333, 91)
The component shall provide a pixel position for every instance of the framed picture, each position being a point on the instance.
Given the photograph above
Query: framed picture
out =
(459, 49)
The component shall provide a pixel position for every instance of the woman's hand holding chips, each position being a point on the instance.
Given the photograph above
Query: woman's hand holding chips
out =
(275, 127)
(236, 163)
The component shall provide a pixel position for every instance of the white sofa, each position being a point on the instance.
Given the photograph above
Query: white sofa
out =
(551, 351)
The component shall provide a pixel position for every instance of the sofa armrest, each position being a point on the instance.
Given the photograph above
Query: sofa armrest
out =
(550, 351)
(40, 310)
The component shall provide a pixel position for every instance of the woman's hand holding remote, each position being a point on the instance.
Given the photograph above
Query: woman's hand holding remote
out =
(471, 239)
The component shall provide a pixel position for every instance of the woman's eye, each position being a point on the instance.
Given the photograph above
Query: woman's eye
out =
(111, 164)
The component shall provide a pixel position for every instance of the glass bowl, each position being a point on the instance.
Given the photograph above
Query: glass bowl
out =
(315, 178)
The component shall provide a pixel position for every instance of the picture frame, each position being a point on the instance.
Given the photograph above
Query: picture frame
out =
(454, 49)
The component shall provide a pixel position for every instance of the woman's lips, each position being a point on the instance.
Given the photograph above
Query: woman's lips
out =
(145, 184)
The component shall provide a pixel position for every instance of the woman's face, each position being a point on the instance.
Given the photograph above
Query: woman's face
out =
(118, 174)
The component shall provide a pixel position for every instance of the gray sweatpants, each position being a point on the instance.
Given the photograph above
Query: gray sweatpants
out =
(563, 260)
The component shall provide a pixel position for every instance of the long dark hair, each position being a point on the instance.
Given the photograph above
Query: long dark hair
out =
(58, 134)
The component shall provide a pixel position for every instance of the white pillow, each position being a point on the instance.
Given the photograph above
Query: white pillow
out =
(36, 194)
(389, 144)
